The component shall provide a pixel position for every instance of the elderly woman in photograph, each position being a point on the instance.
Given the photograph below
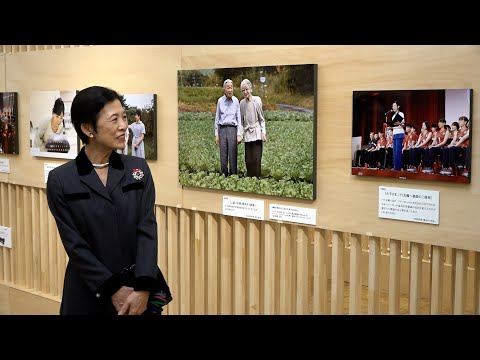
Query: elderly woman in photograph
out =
(254, 132)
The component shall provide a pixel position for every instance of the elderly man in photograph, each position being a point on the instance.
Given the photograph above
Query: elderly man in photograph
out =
(228, 133)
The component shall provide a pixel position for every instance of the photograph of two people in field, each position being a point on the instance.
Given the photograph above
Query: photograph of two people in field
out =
(249, 129)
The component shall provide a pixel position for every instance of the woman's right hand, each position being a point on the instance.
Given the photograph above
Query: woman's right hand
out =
(119, 298)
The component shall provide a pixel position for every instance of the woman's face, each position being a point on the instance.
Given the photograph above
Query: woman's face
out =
(111, 126)
(394, 107)
(246, 91)
(57, 118)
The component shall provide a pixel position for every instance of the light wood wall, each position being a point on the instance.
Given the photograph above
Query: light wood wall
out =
(242, 260)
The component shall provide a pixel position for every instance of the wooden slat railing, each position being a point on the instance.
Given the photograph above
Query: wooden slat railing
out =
(218, 264)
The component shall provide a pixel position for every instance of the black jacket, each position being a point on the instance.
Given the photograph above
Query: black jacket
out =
(104, 229)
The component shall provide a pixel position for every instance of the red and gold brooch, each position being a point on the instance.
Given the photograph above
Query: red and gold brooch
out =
(137, 174)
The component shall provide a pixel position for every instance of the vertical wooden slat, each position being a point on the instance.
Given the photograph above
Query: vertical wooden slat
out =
(26, 223)
(43, 236)
(20, 237)
(449, 258)
(162, 253)
(383, 245)
(240, 267)
(364, 240)
(269, 284)
(286, 271)
(200, 283)
(405, 249)
(460, 297)
(395, 258)
(12, 205)
(450, 261)
(436, 295)
(374, 275)
(172, 239)
(161, 217)
(415, 278)
(212, 264)
(226, 265)
(37, 275)
(426, 252)
(52, 255)
(184, 244)
(476, 299)
(320, 279)
(5, 205)
(302, 300)
(355, 297)
(338, 250)
(471, 259)
(3, 222)
(253, 267)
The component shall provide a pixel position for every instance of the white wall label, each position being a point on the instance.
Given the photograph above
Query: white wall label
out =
(5, 237)
(47, 167)
(243, 207)
(293, 214)
(408, 204)
(5, 166)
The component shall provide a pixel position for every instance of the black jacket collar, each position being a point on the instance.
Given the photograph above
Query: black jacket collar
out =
(85, 167)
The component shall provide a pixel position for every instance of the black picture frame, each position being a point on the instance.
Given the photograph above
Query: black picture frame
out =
(372, 112)
(289, 103)
(9, 123)
(147, 104)
(65, 143)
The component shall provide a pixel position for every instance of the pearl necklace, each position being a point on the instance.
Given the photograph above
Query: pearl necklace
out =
(100, 166)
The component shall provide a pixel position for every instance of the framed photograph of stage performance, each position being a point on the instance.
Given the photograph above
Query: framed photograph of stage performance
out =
(8, 123)
(249, 129)
(413, 134)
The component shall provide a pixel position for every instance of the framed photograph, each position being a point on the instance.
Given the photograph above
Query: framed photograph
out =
(52, 133)
(413, 134)
(249, 129)
(142, 124)
(9, 123)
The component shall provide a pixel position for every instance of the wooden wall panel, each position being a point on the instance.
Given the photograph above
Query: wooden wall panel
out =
(247, 263)
(341, 69)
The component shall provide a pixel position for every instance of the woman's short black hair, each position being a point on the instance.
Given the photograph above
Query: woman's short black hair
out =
(86, 106)
(58, 107)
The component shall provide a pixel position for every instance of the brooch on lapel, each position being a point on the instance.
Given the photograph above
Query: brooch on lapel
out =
(137, 174)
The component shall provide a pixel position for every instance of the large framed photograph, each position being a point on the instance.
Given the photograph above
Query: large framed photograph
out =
(413, 134)
(249, 129)
(141, 138)
(8, 123)
(52, 133)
